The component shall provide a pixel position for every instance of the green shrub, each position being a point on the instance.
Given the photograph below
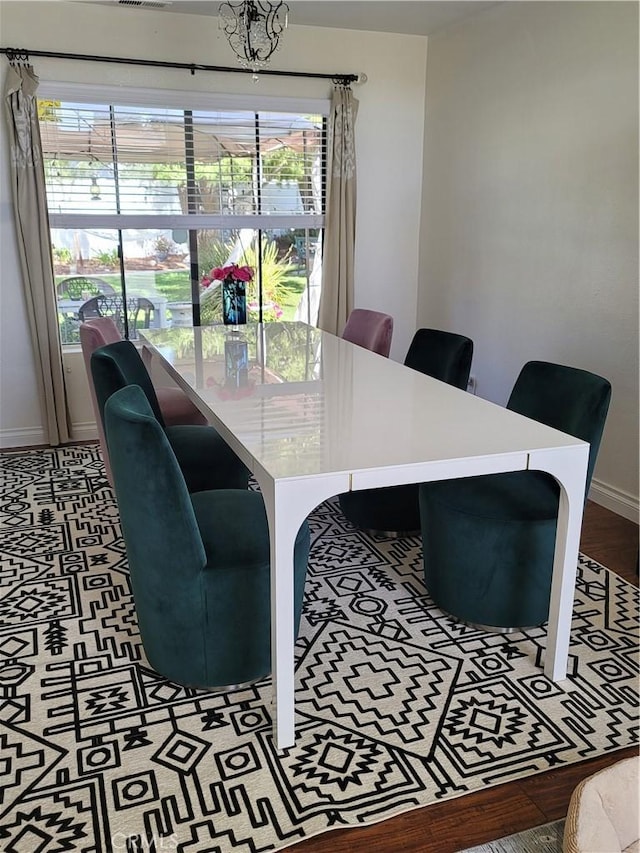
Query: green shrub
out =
(69, 331)
(163, 245)
(108, 259)
(61, 256)
(274, 272)
(212, 251)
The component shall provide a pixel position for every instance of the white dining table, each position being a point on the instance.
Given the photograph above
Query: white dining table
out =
(313, 416)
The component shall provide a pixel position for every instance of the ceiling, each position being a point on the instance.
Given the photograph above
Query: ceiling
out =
(415, 17)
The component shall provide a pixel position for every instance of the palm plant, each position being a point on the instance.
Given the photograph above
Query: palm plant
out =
(216, 253)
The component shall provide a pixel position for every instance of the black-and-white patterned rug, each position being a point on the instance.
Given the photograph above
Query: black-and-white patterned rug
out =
(397, 705)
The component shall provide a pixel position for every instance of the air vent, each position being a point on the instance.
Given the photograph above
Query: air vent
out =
(146, 4)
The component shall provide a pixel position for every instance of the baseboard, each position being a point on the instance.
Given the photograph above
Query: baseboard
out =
(36, 437)
(86, 431)
(22, 437)
(618, 501)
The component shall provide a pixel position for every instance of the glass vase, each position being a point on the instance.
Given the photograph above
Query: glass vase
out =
(236, 362)
(234, 302)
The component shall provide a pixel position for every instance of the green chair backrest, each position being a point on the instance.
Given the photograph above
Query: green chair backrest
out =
(569, 399)
(117, 365)
(164, 547)
(442, 355)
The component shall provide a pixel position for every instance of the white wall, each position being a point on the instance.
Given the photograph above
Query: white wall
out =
(389, 183)
(530, 215)
(528, 240)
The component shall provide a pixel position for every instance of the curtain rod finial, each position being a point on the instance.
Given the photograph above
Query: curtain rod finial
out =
(17, 56)
(362, 78)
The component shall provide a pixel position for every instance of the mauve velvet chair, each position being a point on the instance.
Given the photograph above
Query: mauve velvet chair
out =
(369, 329)
(199, 563)
(174, 404)
(488, 542)
(396, 510)
(206, 460)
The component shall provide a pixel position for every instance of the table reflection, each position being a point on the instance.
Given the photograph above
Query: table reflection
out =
(251, 356)
(263, 381)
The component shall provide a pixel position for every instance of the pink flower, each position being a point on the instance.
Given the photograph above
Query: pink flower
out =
(243, 273)
(232, 271)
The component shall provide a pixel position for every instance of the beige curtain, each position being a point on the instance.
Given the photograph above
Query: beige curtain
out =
(32, 231)
(336, 298)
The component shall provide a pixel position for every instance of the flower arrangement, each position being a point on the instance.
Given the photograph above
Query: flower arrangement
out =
(230, 272)
(231, 275)
(234, 291)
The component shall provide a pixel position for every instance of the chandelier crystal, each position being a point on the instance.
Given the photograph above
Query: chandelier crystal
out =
(253, 29)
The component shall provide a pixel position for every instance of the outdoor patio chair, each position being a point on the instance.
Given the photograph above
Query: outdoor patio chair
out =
(102, 306)
(139, 312)
(75, 287)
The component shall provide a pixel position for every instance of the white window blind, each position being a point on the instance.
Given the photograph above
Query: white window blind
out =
(117, 164)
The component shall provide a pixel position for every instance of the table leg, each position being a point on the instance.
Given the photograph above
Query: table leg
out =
(287, 505)
(283, 529)
(570, 470)
(282, 639)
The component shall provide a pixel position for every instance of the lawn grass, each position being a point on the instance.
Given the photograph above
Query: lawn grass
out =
(291, 289)
(175, 285)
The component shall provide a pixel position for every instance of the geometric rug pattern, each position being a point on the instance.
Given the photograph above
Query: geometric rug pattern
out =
(397, 705)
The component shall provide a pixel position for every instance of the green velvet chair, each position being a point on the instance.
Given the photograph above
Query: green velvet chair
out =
(488, 542)
(199, 563)
(395, 510)
(206, 460)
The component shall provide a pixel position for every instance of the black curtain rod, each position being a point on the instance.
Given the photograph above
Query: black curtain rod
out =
(22, 55)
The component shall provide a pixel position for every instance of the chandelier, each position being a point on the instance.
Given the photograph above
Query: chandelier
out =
(253, 29)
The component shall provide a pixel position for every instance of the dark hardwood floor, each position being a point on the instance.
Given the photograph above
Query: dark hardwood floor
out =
(486, 815)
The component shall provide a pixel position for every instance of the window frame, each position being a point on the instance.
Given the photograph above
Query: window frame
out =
(184, 101)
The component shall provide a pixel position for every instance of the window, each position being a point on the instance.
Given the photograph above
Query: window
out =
(148, 192)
